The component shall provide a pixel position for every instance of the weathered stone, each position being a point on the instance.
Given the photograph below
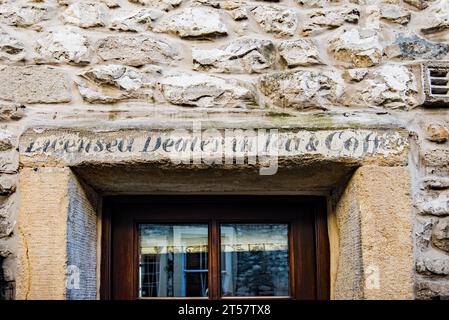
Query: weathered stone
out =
(5, 252)
(423, 233)
(193, 23)
(136, 50)
(34, 84)
(87, 14)
(440, 234)
(140, 20)
(436, 157)
(437, 206)
(391, 86)
(7, 184)
(239, 14)
(437, 133)
(433, 266)
(302, 52)
(112, 83)
(419, 4)
(317, 3)
(435, 19)
(9, 161)
(65, 46)
(165, 5)
(279, 21)
(5, 140)
(432, 290)
(357, 74)
(6, 227)
(436, 183)
(320, 20)
(244, 55)
(303, 89)
(10, 112)
(395, 14)
(410, 46)
(221, 4)
(109, 3)
(201, 90)
(11, 48)
(24, 15)
(360, 48)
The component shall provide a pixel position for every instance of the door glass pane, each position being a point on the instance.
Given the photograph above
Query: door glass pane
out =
(173, 260)
(254, 260)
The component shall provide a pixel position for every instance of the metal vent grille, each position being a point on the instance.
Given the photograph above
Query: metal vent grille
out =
(436, 83)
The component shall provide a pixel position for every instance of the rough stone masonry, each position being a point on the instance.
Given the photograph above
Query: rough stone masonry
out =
(80, 63)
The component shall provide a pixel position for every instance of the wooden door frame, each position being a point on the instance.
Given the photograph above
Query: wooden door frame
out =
(312, 207)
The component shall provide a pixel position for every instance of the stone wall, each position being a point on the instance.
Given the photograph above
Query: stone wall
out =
(99, 63)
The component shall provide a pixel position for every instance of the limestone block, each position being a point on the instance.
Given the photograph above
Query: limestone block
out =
(436, 206)
(136, 21)
(433, 265)
(300, 53)
(112, 83)
(429, 289)
(390, 86)
(11, 48)
(437, 133)
(165, 5)
(136, 50)
(5, 140)
(279, 21)
(317, 3)
(7, 184)
(66, 45)
(357, 74)
(11, 112)
(193, 23)
(6, 228)
(419, 4)
(435, 157)
(87, 14)
(244, 55)
(303, 89)
(360, 48)
(24, 15)
(436, 183)
(318, 21)
(222, 4)
(34, 84)
(435, 18)
(440, 234)
(423, 233)
(200, 90)
(395, 14)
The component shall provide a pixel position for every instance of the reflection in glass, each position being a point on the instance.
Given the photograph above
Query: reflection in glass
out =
(173, 260)
(254, 260)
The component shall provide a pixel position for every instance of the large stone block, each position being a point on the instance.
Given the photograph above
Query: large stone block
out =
(201, 90)
(136, 50)
(34, 84)
(278, 21)
(438, 266)
(300, 53)
(375, 221)
(193, 23)
(440, 234)
(87, 14)
(111, 83)
(318, 21)
(24, 15)
(360, 48)
(244, 55)
(303, 89)
(65, 45)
